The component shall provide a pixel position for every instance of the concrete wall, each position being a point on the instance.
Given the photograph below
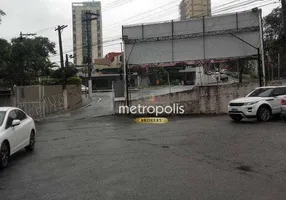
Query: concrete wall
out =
(74, 96)
(5, 99)
(39, 101)
(201, 100)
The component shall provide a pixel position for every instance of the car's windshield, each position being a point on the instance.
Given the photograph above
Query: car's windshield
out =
(261, 92)
(2, 116)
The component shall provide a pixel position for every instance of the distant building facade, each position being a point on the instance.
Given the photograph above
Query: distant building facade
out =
(116, 59)
(80, 29)
(194, 8)
(104, 71)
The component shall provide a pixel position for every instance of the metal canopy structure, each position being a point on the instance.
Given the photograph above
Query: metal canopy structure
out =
(196, 39)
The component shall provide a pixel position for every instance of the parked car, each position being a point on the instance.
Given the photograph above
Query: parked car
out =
(261, 103)
(84, 88)
(283, 108)
(17, 131)
(224, 77)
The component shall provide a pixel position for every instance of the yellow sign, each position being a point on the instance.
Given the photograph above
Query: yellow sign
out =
(152, 120)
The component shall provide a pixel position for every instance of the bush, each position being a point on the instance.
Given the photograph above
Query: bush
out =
(55, 81)
(74, 81)
(52, 81)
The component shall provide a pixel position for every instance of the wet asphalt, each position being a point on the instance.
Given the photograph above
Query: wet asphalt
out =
(83, 156)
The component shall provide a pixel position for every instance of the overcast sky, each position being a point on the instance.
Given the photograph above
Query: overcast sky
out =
(42, 16)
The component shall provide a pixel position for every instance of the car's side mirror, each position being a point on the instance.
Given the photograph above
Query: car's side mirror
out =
(16, 122)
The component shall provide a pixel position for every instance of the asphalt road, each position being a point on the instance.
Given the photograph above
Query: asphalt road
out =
(112, 157)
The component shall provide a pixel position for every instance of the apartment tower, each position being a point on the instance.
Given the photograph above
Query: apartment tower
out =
(80, 29)
(194, 8)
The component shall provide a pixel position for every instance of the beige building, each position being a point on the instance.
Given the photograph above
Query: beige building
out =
(194, 8)
(80, 31)
(100, 64)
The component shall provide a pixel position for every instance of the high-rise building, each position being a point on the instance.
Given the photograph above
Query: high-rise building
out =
(195, 8)
(80, 29)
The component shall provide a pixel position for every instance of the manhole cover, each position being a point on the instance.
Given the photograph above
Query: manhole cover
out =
(165, 147)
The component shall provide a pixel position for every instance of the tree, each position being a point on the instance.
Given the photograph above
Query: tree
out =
(26, 59)
(5, 48)
(273, 36)
(2, 13)
(70, 72)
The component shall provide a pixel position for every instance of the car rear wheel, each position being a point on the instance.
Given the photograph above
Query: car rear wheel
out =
(4, 155)
(31, 145)
(284, 118)
(236, 118)
(263, 114)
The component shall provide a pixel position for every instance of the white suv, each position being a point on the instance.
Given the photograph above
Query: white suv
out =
(261, 103)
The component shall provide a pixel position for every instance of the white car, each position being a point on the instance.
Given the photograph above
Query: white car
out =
(84, 88)
(17, 131)
(261, 103)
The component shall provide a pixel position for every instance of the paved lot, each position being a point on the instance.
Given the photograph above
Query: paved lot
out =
(112, 157)
(146, 92)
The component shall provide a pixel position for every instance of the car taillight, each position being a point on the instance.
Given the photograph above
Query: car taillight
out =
(283, 102)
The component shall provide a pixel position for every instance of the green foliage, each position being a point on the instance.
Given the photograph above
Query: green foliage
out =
(74, 81)
(59, 73)
(161, 75)
(71, 72)
(273, 36)
(55, 81)
(51, 81)
(24, 60)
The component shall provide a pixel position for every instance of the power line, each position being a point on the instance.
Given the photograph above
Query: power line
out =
(82, 54)
(81, 47)
(219, 10)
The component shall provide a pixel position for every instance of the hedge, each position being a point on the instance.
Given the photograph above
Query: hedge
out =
(70, 81)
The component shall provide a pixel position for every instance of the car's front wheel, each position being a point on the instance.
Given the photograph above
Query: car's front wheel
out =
(31, 145)
(263, 114)
(4, 155)
(284, 118)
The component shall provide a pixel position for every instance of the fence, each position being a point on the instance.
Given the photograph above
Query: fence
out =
(39, 101)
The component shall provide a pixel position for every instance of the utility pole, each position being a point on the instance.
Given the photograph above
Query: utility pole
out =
(67, 64)
(122, 63)
(60, 29)
(89, 16)
(278, 67)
